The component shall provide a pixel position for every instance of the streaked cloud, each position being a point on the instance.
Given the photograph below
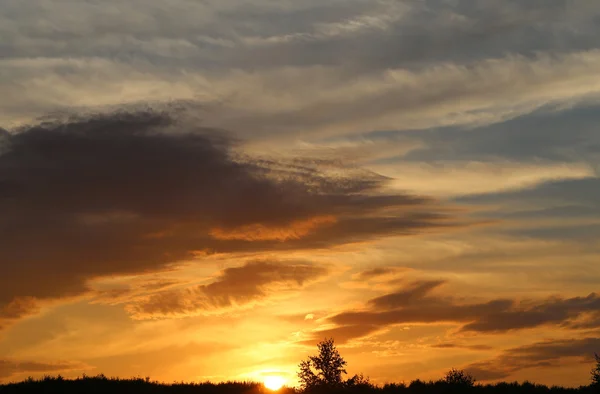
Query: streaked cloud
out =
(473, 177)
(490, 91)
(378, 272)
(544, 354)
(415, 304)
(236, 286)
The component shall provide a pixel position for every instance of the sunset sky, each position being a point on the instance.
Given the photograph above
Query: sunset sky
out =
(202, 190)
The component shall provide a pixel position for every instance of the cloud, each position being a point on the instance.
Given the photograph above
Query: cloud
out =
(538, 137)
(551, 311)
(477, 177)
(404, 297)
(548, 353)
(258, 232)
(234, 287)
(378, 272)
(134, 192)
(228, 34)
(352, 66)
(342, 334)
(416, 304)
(461, 346)
(580, 192)
(331, 103)
(10, 367)
(377, 278)
(496, 102)
(16, 309)
(120, 293)
(556, 211)
(325, 101)
(410, 34)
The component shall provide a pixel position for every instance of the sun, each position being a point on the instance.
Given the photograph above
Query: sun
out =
(274, 382)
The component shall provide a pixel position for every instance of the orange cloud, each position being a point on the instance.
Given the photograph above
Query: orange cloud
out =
(234, 287)
(16, 309)
(261, 232)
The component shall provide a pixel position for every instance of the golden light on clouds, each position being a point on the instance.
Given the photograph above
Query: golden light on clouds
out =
(260, 232)
(324, 175)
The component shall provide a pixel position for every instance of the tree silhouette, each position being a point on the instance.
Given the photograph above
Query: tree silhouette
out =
(323, 370)
(595, 372)
(457, 377)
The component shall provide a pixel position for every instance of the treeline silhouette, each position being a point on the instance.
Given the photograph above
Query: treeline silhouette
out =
(319, 374)
(102, 385)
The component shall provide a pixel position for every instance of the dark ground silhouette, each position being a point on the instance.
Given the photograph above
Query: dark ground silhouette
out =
(103, 385)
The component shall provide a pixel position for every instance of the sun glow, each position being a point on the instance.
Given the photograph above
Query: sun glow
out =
(274, 382)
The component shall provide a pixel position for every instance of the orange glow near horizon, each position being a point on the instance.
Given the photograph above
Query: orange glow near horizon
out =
(274, 383)
(204, 191)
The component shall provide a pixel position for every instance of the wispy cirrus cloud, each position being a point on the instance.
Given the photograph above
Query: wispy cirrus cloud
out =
(328, 102)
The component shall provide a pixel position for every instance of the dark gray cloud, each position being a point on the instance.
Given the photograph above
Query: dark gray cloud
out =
(541, 354)
(131, 192)
(218, 34)
(431, 32)
(236, 286)
(416, 304)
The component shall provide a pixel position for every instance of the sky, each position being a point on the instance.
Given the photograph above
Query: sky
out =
(203, 190)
